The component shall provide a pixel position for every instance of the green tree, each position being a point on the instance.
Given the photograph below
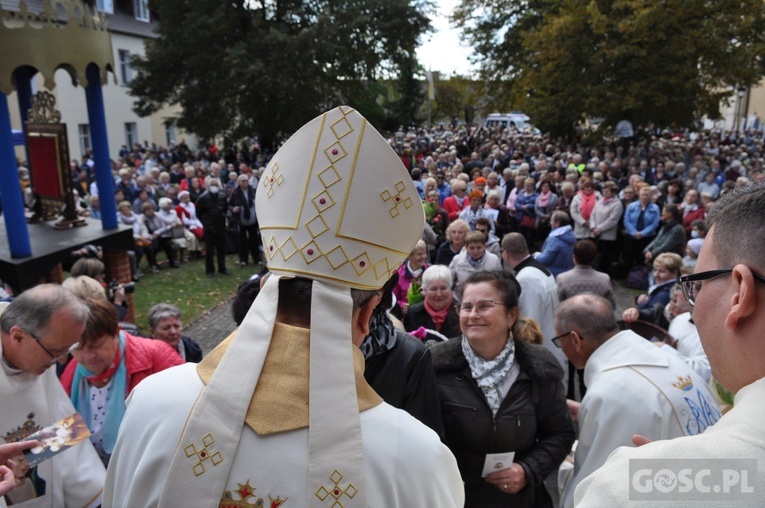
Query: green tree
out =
(246, 66)
(668, 62)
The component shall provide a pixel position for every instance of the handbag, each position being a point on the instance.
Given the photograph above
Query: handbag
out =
(179, 232)
(529, 222)
(143, 242)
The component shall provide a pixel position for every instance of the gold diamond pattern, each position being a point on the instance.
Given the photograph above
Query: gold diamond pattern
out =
(311, 252)
(396, 199)
(335, 152)
(288, 248)
(341, 128)
(335, 492)
(382, 269)
(323, 201)
(272, 180)
(361, 263)
(337, 257)
(203, 454)
(271, 248)
(329, 177)
(317, 226)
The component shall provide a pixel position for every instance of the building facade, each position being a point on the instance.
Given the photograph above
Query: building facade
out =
(130, 24)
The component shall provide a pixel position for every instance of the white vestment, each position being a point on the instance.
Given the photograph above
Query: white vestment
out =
(75, 477)
(689, 348)
(538, 300)
(738, 435)
(405, 463)
(634, 387)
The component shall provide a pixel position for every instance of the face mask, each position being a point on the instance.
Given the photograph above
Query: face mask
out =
(214, 189)
(694, 233)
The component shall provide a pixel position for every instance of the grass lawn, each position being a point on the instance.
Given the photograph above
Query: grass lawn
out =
(187, 287)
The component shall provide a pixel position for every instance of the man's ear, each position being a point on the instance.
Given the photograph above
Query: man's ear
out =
(365, 315)
(744, 300)
(17, 335)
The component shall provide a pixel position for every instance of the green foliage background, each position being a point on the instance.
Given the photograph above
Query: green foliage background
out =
(667, 62)
(244, 66)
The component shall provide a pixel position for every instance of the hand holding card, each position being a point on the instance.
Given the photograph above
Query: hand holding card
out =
(56, 438)
(497, 462)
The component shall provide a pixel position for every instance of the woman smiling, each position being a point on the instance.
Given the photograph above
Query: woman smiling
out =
(438, 311)
(500, 394)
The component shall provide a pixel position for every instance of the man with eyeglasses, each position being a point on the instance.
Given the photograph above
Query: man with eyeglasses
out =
(36, 330)
(633, 387)
(727, 293)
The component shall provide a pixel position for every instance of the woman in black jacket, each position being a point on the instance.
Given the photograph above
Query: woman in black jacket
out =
(500, 394)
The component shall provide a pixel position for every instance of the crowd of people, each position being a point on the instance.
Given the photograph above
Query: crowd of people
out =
(497, 337)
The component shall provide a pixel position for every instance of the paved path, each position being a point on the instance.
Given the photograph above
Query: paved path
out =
(212, 326)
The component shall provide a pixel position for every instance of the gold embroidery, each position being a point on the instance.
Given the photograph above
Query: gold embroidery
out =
(25, 429)
(336, 491)
(270, 180)
(397, 199)
(203, 454)
(683, 383)
(246, 491)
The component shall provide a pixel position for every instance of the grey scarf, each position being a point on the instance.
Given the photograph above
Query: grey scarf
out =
(490, 374)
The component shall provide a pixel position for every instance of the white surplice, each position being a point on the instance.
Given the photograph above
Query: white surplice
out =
(399, 453)
(634, 387)
(739, 434)
(75, 477)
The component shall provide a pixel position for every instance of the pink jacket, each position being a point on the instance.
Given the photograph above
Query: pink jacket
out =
(143, 357)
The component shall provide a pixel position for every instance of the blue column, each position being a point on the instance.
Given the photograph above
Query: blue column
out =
(98, 137)
(10, 188)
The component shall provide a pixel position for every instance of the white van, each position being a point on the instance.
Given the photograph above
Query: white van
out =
(519, 121)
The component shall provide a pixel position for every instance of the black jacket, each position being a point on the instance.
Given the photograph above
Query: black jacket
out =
(403, 376)
(417, 316)
(211, 210)
(193, 351)
(533, 421)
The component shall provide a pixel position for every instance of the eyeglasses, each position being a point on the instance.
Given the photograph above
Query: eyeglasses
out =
(481, 307)
(691, 284)
(556, 340)
(54, 358)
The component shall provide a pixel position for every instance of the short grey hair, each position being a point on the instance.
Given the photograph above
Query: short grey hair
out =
(435, 273)
(493, 193)
(33, 309)
(589, 315)
(162, 311)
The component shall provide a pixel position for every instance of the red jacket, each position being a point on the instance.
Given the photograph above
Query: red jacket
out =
(453, 209)
(692, 216)
(143, 357)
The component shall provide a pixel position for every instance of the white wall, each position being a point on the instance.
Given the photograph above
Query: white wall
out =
(118, 105)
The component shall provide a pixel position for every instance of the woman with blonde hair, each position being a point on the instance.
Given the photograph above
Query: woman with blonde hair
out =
(666, 270)
(455, 242)
(410, 274)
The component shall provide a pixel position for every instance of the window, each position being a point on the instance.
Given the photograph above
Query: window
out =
(131, 134)
(126, 72)
(84, 132)
(106, 6)
(141, 10)
(170, 134)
